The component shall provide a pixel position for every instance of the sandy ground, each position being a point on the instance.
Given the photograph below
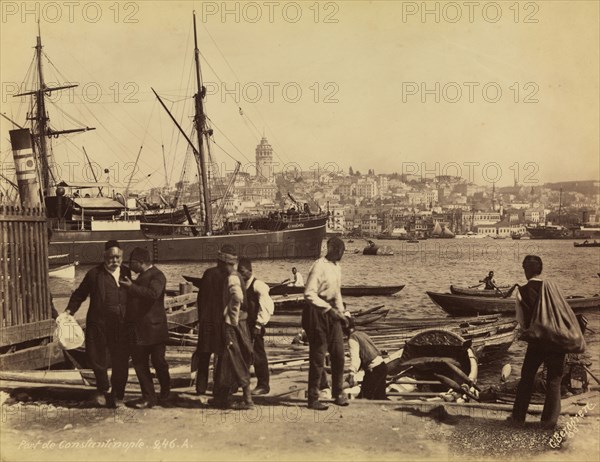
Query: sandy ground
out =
(54, 424)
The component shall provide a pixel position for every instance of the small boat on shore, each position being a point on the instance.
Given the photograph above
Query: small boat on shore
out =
(457, 290)
(586, 244)
(63, 271)
(464, 305)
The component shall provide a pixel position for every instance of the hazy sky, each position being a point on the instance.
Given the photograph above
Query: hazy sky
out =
(382, 85)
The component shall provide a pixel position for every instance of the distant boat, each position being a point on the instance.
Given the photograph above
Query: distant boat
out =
(586, 244)
(374, 249)
(441, 233)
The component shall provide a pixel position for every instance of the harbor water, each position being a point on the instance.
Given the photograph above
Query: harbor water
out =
(432, 265)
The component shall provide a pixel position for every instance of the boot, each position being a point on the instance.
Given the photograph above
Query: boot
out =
(248, 396)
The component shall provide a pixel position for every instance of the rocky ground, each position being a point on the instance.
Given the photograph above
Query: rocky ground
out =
(40, 423)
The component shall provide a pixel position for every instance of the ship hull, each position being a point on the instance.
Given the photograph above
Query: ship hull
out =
(87, 247)
(549, 233)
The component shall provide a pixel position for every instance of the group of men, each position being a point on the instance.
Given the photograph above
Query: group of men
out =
(234, 308)
(127, 319)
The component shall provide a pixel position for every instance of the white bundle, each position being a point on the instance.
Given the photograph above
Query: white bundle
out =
(68, 332)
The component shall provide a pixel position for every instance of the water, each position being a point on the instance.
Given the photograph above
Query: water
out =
(433, 265)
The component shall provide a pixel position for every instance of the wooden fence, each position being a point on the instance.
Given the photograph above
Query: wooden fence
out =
(23, 272)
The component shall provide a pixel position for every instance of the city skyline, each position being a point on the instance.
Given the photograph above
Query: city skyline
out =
(369, 78)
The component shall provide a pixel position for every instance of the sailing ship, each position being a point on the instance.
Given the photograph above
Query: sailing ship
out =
(441, 232)
(549, 231)
(81, 225)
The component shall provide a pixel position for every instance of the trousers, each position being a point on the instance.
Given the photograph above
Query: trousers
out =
(554, 361)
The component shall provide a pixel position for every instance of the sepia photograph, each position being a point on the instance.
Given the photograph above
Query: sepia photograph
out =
(300, 230)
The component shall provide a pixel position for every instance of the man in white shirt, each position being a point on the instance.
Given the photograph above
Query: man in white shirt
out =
(322, 319)
(298, 280)
(260, 308)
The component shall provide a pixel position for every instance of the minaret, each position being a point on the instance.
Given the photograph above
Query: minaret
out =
(264, 161)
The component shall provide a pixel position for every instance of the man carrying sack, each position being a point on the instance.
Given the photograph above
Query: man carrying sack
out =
(551, 330)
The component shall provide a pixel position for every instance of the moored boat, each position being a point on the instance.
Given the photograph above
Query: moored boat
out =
(464, 305)
(63, 271)
(81, 225)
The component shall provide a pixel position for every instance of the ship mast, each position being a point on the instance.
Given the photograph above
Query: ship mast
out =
(559, 204)
(40, 119)
(200, 123)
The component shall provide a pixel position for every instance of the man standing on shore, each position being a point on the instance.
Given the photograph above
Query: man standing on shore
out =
(105, 324)
(322, 319)
(537, 353)
(260, 309)
(234, 361)
(147, 321)
(210, 321)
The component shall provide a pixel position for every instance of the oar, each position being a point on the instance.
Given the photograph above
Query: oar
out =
(590, 372)
(476, 285)
(77, 367)
(280, 284)
(367, 311)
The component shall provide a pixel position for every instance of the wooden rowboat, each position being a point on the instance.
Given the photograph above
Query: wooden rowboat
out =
(457, 290)
(463, 305)
(347, 291)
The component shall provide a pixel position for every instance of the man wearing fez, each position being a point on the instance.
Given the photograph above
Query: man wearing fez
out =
(148, 331)
(105, 324)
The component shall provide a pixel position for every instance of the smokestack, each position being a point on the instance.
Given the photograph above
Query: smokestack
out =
(27, 180)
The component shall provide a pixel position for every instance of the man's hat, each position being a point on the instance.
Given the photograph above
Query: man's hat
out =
(140, 254)
(227, 254)
(110, 244)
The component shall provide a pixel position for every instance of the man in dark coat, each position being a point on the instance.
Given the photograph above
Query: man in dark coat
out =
(210, 321)
(147, 323)
(105, 323)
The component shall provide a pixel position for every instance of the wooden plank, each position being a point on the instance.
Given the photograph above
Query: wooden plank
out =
(180, 300)
(185, 317)
(13, 218)
(5, 276)
(15, 302)
(32, 358)
(13, 335)
(44, 262)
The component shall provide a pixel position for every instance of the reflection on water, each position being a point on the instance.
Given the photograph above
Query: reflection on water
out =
(433, 265)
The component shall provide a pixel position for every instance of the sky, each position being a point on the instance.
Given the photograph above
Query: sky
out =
(493, 91)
